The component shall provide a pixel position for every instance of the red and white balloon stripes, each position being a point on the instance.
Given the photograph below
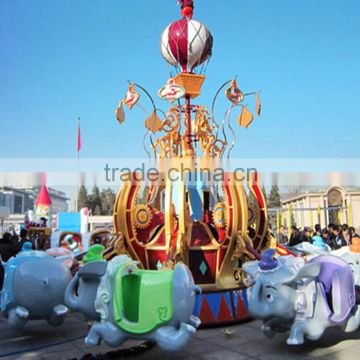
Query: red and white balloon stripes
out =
(186, 44)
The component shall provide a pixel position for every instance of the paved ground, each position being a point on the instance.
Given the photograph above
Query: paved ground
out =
(246, 342)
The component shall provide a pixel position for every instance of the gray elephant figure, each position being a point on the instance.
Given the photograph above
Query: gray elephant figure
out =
(129, 303)
(303, 298)
(34, 287)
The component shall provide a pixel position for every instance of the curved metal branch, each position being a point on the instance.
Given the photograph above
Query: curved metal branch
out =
(223, 128)
(147, 129)
(146, 132)
(213, 107)
(232, 132)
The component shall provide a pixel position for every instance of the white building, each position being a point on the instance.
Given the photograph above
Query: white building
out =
(335, 205)
(20, 200)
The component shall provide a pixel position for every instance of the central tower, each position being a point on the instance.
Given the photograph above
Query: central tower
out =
(190, 214)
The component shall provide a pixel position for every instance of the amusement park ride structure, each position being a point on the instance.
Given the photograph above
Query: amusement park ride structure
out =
(211, 226)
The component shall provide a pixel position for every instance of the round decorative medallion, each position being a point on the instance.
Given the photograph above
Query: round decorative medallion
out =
(219, 215)
(142, 216)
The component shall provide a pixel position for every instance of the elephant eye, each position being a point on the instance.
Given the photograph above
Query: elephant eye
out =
(269, 298)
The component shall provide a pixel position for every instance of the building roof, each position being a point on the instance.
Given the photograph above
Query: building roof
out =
(286, 198)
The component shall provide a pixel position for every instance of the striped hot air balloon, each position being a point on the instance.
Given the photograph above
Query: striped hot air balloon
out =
(186, 44)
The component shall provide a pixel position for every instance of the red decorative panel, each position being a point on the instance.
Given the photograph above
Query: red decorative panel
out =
(129, 225)
(199, 235)
(140, 252)
(143, 235)
(259, 197)
(130, 197)
(206, 314)
(224, 311)
(242, 312)
(230, 221)
(203, 266)
(154, 256)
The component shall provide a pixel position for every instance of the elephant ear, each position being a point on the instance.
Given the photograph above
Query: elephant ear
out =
(93, 270)
(67, 260)
(309, 271)
(251, 268)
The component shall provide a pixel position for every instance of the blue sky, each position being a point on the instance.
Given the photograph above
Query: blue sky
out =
(63, 58)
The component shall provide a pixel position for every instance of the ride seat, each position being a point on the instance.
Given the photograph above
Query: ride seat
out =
(142, 299)
(337, 281)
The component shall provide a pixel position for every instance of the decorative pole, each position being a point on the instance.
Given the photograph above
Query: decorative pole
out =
(188, 134)
(79, 145)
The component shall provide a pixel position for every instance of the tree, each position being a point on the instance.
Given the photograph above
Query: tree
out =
(82, 198)
(108, 198)
(95, 201)
(273, 199)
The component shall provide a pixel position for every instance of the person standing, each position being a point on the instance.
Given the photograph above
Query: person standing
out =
(306, 235)
(282, 237)
(335, 240)
(317, 230)
(295, 236)
(8, 249)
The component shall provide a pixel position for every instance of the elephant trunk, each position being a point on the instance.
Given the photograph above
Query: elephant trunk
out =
(71, 300)
(256, 306)
(170, 339)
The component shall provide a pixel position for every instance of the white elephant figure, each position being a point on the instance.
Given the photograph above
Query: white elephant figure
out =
(129, 303)
(303, 298)
(34, 287)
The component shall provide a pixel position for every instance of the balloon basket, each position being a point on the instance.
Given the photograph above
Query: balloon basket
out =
(192, 83)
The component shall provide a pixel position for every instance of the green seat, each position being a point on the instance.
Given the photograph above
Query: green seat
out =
(142, 299)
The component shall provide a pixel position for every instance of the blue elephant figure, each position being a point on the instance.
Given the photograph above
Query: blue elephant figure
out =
(130, 303)
(34, 287)
(304, 298)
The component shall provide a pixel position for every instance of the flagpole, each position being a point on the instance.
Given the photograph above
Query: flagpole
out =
(78, 158)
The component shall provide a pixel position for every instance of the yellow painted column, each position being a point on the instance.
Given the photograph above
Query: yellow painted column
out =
(349, 219)
(282, 218)
(339, 216)
(319, 214)
(278, 221)
(311, 219)
(289, 221)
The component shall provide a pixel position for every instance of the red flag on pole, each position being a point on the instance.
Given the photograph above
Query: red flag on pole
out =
(79, 137)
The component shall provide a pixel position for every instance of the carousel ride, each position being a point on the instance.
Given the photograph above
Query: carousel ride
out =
(211, 225)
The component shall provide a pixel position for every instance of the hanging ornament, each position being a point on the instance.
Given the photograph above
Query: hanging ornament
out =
(171, 91)
(142, 216)
(234, 94)
(153, 123)
(245, 118)
(120, 113)
(258, 105)
(219, 215)
(132, 97)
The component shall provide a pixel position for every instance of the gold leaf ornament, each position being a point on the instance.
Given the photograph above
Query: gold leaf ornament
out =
(132, 97)
(171, 91)
(120, 113)
(234, 94)
(245, 118)
(153, 123)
